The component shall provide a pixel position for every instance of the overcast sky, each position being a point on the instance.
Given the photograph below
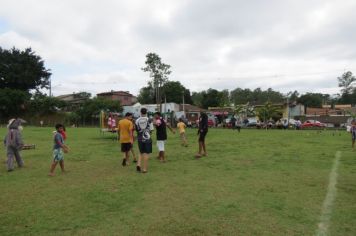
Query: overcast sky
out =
(98, 46)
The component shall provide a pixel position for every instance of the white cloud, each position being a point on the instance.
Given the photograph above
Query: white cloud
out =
(285, 45)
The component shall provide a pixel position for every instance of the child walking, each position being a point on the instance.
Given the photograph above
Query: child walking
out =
(181, 126)
(58, 148)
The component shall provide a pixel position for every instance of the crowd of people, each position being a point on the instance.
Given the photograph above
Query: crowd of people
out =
(126, 128)
(144, 127)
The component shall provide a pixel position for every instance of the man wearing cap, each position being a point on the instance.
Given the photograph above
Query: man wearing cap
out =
(125, 129)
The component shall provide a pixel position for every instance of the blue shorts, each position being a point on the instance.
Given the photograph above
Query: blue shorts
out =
(58, 155)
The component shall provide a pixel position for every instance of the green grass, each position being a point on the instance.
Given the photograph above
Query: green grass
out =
(255, 182)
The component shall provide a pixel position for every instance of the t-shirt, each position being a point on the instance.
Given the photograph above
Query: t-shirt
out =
(113, 123)
(181, 126)
(143, 128)
(109, 122)
(58, 140)
(203, 123)
(353, 130)
(125, 128)
(161, 129)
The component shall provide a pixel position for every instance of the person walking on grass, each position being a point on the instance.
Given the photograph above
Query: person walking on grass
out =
(238, 124)
(181, 126)
(58, 149)
(125, 129)
(14, 143)
(132, 146)
(161, 132)
(353, 133)
(203, 130)
(143, 129)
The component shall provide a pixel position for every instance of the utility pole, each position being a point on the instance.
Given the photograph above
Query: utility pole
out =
(50, 87)
(183, 106)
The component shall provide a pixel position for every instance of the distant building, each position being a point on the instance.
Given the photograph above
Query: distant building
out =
(74, 100)
(151, 108)
(125, 98)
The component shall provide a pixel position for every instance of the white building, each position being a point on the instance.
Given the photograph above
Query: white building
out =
(152, 108)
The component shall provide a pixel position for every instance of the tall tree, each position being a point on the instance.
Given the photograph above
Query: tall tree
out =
(147, 95)
(345, 82)
(159, 73)
(211, 98)
(293, 96)
(197, 98)
(22, 70)
(174, 92)
(20, 73)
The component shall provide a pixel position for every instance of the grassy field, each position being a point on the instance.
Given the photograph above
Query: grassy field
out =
(255, 182)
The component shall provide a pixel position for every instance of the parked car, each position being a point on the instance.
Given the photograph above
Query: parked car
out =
(312, 123)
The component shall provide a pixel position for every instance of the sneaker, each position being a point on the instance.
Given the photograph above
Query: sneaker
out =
(138, 168)
(124, 162)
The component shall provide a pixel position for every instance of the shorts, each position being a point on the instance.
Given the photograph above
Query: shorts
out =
(202, 136)
(353, 134)
(145, 147)
(58, 155)
(126, 147)
(160, 145)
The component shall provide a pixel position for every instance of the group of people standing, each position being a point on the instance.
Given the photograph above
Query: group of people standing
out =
(126, 128)
(144, 127)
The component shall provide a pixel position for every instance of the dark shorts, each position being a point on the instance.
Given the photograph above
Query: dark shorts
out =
(145, 147)
(202, 136)
(125, 147)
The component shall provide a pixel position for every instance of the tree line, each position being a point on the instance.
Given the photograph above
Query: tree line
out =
(161, 89)
(23, 76)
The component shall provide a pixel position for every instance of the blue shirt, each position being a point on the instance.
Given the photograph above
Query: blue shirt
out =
(58, 141)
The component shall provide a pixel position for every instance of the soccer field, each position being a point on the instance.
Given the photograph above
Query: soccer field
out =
(255, 182)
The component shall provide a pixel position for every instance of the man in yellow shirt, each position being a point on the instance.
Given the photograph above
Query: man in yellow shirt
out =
(181, 126)
(125, 129)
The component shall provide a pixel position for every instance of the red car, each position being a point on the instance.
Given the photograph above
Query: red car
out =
(313, 123)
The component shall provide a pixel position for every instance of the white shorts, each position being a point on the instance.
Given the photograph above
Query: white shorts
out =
(160, 145)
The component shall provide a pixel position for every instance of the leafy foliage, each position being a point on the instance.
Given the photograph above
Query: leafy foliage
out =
(257, 96)
(172, 90)
(311, 99)
(158, 72)
(92, 107)
(12, 102)
(42, 104)
(269, 111)
(22, 70)
(345, 82)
